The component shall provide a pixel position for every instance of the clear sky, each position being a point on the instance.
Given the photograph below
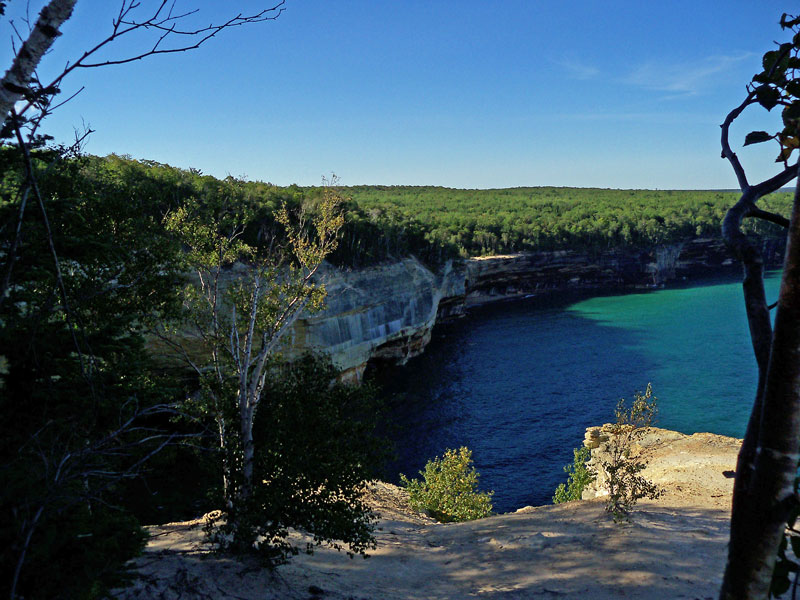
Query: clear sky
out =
(461, 93)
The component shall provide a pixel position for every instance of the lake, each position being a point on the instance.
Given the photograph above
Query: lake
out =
(518, 382)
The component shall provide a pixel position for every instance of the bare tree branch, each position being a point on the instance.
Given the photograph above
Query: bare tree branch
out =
(768, 216)
(167, 24)
(168, 27)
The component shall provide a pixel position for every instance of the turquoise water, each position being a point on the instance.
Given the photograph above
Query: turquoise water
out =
(518, 382)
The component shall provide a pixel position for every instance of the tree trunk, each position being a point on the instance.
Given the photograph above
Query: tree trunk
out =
(767, 492)
(248, 451)
(17, 79)
(226, 463)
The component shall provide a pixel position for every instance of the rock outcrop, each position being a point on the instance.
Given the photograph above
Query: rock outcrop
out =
(689, 465)
(382, 313)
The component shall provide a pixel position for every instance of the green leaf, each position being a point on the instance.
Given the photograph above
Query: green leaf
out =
(769, 59)
(756, 137)
(767, 96)
(761, 77)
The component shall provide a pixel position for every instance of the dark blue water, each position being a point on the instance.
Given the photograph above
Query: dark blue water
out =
(519, 382)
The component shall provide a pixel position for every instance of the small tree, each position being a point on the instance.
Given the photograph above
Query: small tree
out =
(578, 477)
(243, 301)
(620, 464)
(449, 490)
(315, 449)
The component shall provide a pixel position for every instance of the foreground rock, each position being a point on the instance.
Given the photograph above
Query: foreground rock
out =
(695, 470)
(673, 547)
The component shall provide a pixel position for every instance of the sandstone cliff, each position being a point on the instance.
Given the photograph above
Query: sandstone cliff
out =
(387, 312)
(515, 275)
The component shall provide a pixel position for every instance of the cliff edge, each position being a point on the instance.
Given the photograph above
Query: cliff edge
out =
(673, 547)
(385, 313)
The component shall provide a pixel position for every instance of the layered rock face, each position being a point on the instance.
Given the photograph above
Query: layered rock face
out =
(379, 313)
(498, 277)
(386, 313)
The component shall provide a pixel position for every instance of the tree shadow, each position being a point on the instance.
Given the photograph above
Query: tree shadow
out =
(566, 551)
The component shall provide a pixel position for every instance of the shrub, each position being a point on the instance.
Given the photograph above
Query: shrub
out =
(621, 465)
(316, 449)
(578, 477)
(449, 491)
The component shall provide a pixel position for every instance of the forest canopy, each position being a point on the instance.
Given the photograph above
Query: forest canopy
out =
(500, 221)
(437, 223)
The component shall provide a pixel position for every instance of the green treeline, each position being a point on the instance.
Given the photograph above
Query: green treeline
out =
(368, 236)
(499, 221)
(437, 223)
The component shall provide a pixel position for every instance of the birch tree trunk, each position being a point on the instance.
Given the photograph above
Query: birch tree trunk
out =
(15, 82)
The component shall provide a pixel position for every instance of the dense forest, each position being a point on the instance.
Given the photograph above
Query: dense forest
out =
(499, 221)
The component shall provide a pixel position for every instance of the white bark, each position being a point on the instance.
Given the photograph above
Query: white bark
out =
(41, 38)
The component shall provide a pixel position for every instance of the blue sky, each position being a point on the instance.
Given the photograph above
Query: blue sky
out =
(619, 94)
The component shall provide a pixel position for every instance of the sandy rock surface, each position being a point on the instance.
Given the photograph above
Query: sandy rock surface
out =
(673, 547)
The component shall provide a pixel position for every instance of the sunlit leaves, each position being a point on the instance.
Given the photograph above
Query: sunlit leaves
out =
(449, 488)
(788, 145)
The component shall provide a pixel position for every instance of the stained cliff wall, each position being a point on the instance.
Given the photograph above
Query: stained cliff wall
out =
(387, 312)
(498, 277)
(379, 313)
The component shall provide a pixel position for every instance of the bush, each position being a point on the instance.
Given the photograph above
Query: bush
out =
(449, 490)
(578, 477)
(622, 467)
